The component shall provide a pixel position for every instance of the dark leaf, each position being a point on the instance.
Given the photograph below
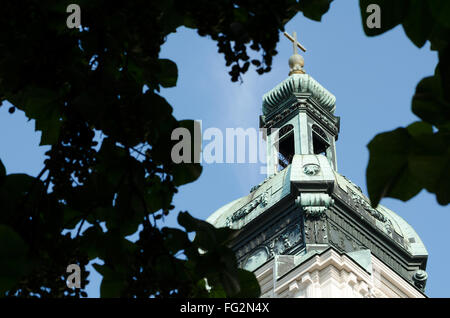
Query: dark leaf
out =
(418, 22)
(440, 9)
(404, 161)
(388, 173)
(192, 224)
(430, 163)
(113, 283)
(184, 173)
(71, 217)
(2, 169)
(175, 239)
(13, 261)
(249, 286)
(392, 14)
(444, 71)
(168, 74)
(314, 9)
(41, 105)
(429, 103)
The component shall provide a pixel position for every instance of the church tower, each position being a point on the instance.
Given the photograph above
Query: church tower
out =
(306, 230)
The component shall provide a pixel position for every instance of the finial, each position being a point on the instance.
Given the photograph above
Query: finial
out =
(296, 61)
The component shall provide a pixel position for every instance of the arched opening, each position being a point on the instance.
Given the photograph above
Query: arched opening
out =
(320, 141)
(286, 148)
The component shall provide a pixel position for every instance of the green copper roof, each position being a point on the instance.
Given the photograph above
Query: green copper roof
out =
(297, 83)
(242, 211)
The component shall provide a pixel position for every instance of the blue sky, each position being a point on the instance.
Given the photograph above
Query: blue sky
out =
(373, 80)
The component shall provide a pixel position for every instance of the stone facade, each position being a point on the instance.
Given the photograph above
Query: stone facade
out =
(331, 274)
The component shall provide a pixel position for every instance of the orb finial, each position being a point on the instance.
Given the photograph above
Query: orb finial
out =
(296, 61)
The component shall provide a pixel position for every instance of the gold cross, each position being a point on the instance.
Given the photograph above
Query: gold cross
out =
(295, 42)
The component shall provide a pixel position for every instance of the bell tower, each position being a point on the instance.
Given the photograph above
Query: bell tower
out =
(307, 230)
(298, 117)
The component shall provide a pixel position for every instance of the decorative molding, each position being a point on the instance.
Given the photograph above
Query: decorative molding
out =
(316, 231)
(420, 279)
(323, 119)
(311, 169)
(260, 201)
(280, 244)
(346, 237)
(352, 183)
(285, 129)
(268, 234)
(314, 204)
(376, 219)
(285, 241)
(343, 241)
(316, 129)
(256, 187)
(284, 113)
(361, 202)
(331, 274)
(329, 121)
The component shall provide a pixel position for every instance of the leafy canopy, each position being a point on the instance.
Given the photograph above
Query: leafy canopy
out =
(105, 79)
(406, 160)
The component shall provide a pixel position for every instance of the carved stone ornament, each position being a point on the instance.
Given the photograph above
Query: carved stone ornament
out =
(420, 279)
(261, 201)
(316, 231)
(366, 206)
(314, 204)
(277, 246)
(311, 169)
(285, 241)
(323, 119)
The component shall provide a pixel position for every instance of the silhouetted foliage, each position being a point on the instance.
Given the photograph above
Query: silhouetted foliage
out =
(406, 160)
(100, 84)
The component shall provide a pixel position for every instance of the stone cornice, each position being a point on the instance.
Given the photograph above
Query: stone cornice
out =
(312, 276)
(301, 102)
